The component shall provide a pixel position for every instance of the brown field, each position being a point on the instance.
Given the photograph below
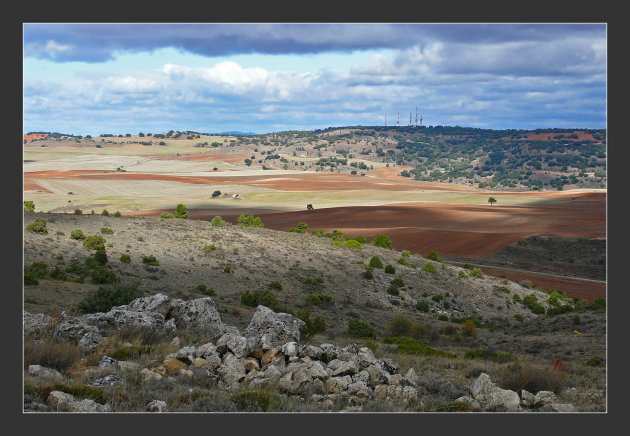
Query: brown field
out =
(209, 157)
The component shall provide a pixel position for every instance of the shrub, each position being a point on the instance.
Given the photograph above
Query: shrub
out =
(390, 269)
(594, 361)
(94, 242)
(102, 275)
(433, 256)
(301, 228)
(469, 328)
(368, 273)
(476, 272)
(409, 345)
(166, 216)
(107, 297)
(117, 214)
(516, 377)
(227, 269)
(249, 221)
(311, 327)
(52, 354)
(275, 285)
(38, 226)
(205, 290)
(216, 194)
(375, 262)
(217, 221)
(518, 317)
(107, 231)
(532, 303)
(398, 282)
(78, 211)
(125, 258)
(77, 234)
(29, 206)
(266, 298)
(181, 211)
(209, 247)
(38, 270)
(462, 274)
(402, 261)
(100, 257)
(58, 274)
(556, 310)
(489, 355)
(382, 241)
(150, 260)
(437, 298)
(516, 298)
(393, 290)
(351, 243)
(317, 299)
(131, 351)
(360, 329)
(422, 306)
(429, 267)
(105, 213)
(405, 253)
(599, 304)
(402, 326)
(443, 318)
(336, 243)
(253, 401)
(315, 281)
(30, 279)
(318, 233)
(361, 239)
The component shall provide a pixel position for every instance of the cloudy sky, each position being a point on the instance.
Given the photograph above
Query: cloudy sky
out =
(127, 78)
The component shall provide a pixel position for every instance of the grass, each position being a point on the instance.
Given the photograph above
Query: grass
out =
(407, 345)
(52, 354)
(489, 355)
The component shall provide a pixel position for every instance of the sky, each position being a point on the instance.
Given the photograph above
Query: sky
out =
(119, 78)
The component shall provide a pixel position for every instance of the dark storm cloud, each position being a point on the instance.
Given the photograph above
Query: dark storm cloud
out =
(98, 42)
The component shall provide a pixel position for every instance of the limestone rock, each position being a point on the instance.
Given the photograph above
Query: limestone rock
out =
(366, 357)
(270, 355)
(157, 406)
(492, 397)
(527, 398)
(330, 352)
(268, 329)
(558, 407)
(389, 365)
(109, 364)
(150, 376)
(155, 303)
(346, 368)
(90, 341)
(199, 316)
(290, 349)
(43, 372)
(338, 384)
(108, 380)
(208, 349)
(72, 329)
(63, 401)
(35, 323)
(173, 365)
(234, 343)
(474, 404)
(543, 398)
(232, 369)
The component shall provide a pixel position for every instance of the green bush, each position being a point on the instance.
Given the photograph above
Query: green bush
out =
(209, 247)
(402, 326)
(107, 297)
(311, 327)
(78, 212)
(125, 258)
(105, 213)
(217, 221)
(38, 270)
(389, 269)
(594, 361)
(398, 282)
(130, 352)
(462, 274)
(361, 239)
(437, 298)
(117, 214)
(181, 211)
(100, 257)
(360, 329)
(476, 272)
(58, 274)
(216, 194)
(275, 285)
(382, 241)
(532, 303)
(38, 226)
(102, 275)
(403, 262)
(315, 281)
(227, 269)
(351, 243)
(393, 290)
(433, 256)
(266, 298)
(107, 231)
(516, 298)
(518, 317)
(30, 279)
(516, 376)
(77, 234)
(443, 318)
(150, 260)
(94, 242)
(368, 273)
(336, 243)
(599, 304)
(429, 267)
(317, 299)
(166, 216)
(205, 290)
(249, 221)
(422, 306)
(409, 345)
(405, 253)
(301, 228)
(375, 262)
(29, 206)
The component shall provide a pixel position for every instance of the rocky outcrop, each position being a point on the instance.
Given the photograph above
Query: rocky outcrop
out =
(199, 316)
(35, 323)
(157, 406)
(268, 329)
(66, 402)
(492, 397)
(45, 373)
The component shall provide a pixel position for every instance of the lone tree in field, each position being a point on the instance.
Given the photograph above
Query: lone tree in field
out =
(180, 211)
(492, 200)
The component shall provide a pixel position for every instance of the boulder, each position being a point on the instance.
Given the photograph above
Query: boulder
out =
(150, 376)
(157, 406)
(558, 407)
(317, 371)
(90, 341)
(365, 357)
(270, 355)
(159, 303)
(108, 380)
(206, 350)
(362, 376)
(108, 364)
(474, 404)
(493, 398)
(336, 385)
(43, 372)
(346, 368)
(72, 329)
(330, 352)
(377, 375)
(236, 344)
(314, 352)
(360, 389)
(543, 398)
(232, 369)
(268, 329)
(199, 316)
(187, 355)
(272, 373)
(389, 365)
(35, 323)
(121, 316)
(63, 402)
(527, 398)
(173, 365)
(250, 364)
(290, 349)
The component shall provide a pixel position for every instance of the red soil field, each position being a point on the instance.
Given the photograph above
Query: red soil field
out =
(33, 136)
(31, 185)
